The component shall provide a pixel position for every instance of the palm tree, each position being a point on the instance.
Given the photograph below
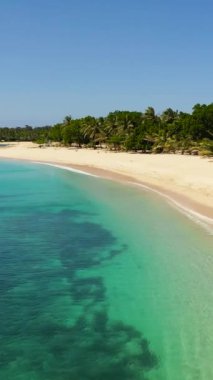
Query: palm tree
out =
(93, 130)
(149, 114)
(67, 120)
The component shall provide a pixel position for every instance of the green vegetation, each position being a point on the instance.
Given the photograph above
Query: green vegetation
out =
(170, 132)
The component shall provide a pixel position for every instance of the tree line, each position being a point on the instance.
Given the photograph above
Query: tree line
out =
(146, 132)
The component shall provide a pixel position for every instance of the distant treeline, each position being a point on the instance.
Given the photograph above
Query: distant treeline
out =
(148, 132)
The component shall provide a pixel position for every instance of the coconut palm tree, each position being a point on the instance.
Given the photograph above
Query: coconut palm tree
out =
(93, 129)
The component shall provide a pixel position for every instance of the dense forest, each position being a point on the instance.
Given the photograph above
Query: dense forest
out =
(146, 132)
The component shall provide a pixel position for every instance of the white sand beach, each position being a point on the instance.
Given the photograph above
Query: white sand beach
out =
(186, 180)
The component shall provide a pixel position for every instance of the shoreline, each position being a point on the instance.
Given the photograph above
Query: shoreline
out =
(178, 202)
(109, 168)
(194, 212)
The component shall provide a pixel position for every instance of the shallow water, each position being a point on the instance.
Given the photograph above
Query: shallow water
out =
(99, 281)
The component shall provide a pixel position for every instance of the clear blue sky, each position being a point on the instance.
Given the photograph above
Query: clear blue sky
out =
(80, 57)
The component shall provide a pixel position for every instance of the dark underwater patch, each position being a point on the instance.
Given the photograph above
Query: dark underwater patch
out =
(93, 347)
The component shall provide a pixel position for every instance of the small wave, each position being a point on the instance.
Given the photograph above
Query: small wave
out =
(203, 221)
(66, 168)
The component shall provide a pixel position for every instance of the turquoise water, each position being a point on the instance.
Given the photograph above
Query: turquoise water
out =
(99, 281)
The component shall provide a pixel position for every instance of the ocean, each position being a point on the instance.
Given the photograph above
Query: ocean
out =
(100, 280)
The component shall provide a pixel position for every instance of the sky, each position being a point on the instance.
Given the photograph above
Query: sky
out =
(92, 57)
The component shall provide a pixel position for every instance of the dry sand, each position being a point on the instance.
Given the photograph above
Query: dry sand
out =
(186, 180)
